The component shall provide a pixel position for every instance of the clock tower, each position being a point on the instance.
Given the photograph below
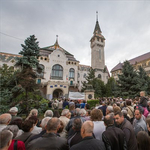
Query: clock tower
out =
(97, 48)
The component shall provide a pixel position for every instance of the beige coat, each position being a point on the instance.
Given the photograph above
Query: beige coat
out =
(130, 111)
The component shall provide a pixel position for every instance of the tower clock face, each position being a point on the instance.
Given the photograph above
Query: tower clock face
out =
(89, 96)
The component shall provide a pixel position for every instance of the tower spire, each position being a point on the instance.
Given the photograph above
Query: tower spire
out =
(96, 15)
(97, 27)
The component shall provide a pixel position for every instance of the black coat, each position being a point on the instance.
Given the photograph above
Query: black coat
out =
(143, 101)
(114, 138)
(132, 142)
(89, 143)
(25, 137)
(48, 141)
(74, 139)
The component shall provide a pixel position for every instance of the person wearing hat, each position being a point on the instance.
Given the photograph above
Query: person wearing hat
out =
(13, 111)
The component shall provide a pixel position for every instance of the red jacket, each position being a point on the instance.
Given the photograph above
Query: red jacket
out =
(20, 145)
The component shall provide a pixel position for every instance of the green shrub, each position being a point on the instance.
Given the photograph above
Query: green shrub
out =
(43, 106)
(34, 101)
(59, 110)
(93, 103)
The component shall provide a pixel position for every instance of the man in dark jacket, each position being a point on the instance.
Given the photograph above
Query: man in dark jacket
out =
(27, 127)
(65, 103)
(76, 137)
(143, 99)
(103, 108)
(127, 128)
(88, 142)
(113, 137)
(49, 140)
(69, 125)
(43, 125)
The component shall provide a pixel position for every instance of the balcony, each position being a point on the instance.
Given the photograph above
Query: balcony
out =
(56, 78)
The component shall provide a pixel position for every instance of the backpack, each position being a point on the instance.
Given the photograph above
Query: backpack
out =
(146, 112)
(131, 119)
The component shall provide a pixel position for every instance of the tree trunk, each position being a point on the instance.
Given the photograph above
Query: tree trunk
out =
(26, 102)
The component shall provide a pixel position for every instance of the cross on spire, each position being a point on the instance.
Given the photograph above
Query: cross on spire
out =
(96, 15)
(56, 43)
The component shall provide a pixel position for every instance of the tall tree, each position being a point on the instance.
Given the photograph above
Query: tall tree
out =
(99, 88)
(30, 53)
(27, 80)
(97, 84)
(110, 87)
(28, 64)
(6, 74)
(127, 82)
(89, 78)
(8, 87)
(143, 80)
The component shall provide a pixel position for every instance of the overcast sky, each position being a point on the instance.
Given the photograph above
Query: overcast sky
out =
(124, 24)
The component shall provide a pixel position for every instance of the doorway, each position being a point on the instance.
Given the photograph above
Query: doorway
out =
(58, 93)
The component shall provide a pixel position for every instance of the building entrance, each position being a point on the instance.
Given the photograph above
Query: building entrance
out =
(57, 93)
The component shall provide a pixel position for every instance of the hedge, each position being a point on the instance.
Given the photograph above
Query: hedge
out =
(93, 103)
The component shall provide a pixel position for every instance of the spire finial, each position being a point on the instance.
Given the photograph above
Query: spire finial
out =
(56, 43)
(57, 38)
(96, 15)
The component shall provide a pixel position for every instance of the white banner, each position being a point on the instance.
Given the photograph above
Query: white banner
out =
(76, 95)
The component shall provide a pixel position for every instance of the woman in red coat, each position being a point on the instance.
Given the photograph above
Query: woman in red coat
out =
(15, 144)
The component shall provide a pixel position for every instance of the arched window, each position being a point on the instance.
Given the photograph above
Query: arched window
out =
(57, 72)
(71, 73)
(40, 71)
(78, 75)
(99, 76)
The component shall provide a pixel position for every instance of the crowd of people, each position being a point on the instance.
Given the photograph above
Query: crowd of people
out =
(114, 124)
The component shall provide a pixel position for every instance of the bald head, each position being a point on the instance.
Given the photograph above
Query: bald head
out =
(87, 129)
(88, 126)
(53, 124)
(5, 118)
(108, 120)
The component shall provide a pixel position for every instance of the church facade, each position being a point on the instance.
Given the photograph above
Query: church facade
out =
(60, 73)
